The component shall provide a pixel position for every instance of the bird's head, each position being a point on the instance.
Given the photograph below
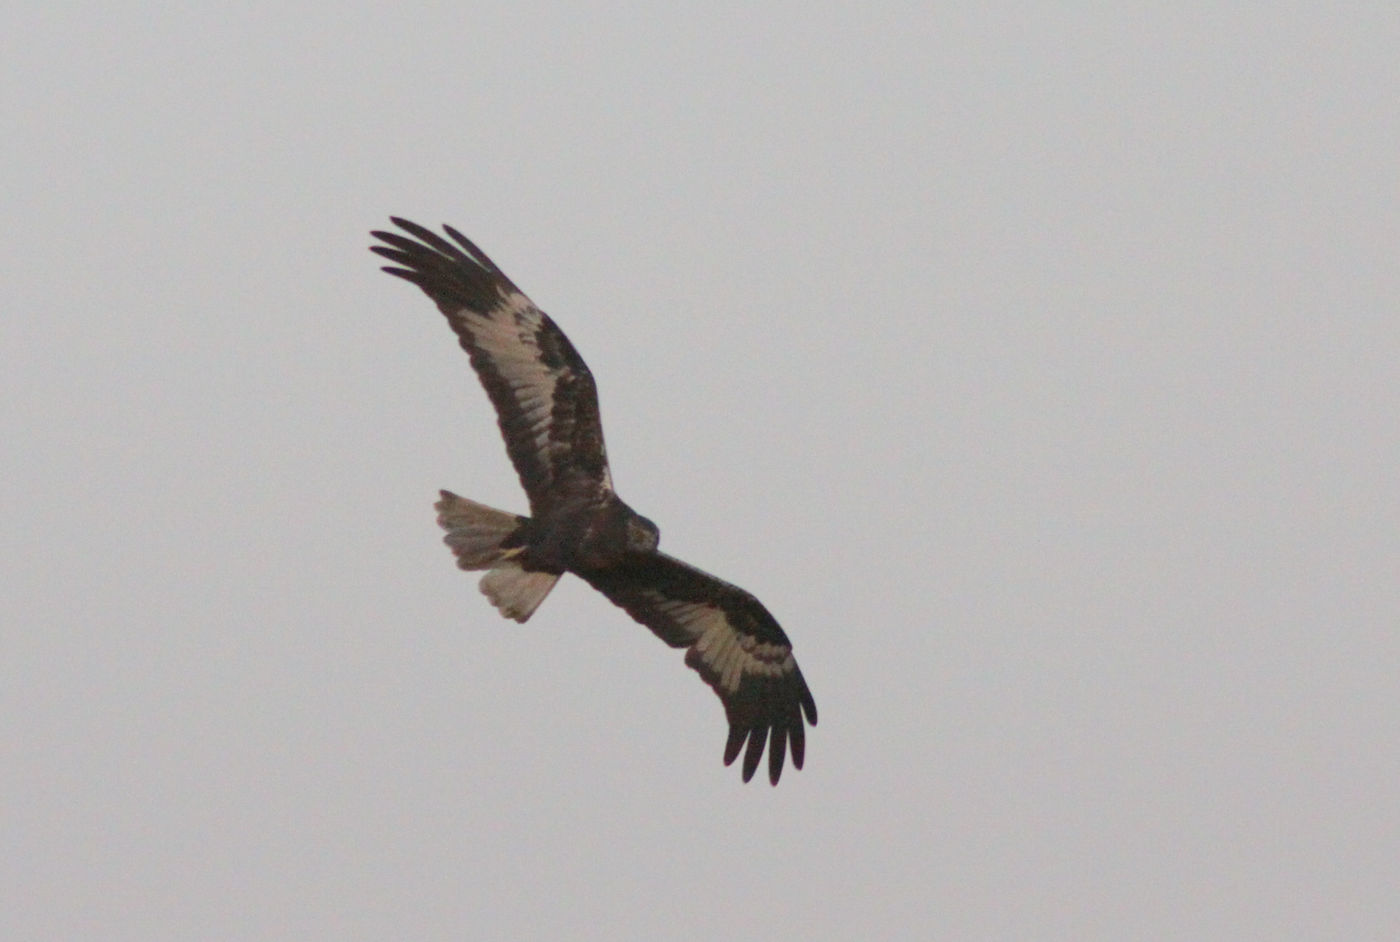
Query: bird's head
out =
(643, 536)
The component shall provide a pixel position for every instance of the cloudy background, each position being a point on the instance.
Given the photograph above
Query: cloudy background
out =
(1037, 365)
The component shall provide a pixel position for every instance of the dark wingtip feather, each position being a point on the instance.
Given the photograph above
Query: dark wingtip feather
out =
(472, 250)
(768, 718)
(393, 255)
(429, 238)
(403, 243)
(777, 749)
(757, 738)
(734, 744)
(460, 265)
(403, 273)
(411, 227)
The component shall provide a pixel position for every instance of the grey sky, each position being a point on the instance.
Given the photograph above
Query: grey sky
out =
(1038, 366)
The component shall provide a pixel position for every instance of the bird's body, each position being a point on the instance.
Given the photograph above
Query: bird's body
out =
(547, 407)
(589, 534)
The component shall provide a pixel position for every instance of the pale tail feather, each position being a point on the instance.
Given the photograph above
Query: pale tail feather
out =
(516, 592)
(475, 533)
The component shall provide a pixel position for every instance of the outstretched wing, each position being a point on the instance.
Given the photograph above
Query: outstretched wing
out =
(546, 401)
(735, 645)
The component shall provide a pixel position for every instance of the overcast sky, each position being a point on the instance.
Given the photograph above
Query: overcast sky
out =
(1038, 366)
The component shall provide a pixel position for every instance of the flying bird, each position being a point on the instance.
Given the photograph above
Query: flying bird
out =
(547, 408)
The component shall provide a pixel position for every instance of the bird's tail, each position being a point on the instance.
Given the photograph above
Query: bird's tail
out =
(480, 538)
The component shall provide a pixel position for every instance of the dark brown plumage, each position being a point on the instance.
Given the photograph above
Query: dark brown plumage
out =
(547, 407)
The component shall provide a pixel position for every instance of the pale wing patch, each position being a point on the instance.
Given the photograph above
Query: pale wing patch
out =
(508, 335)
(728, 654)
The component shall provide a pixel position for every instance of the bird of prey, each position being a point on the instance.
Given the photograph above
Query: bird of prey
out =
(547, 408)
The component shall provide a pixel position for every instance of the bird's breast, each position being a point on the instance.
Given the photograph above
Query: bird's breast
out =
(582, 536)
